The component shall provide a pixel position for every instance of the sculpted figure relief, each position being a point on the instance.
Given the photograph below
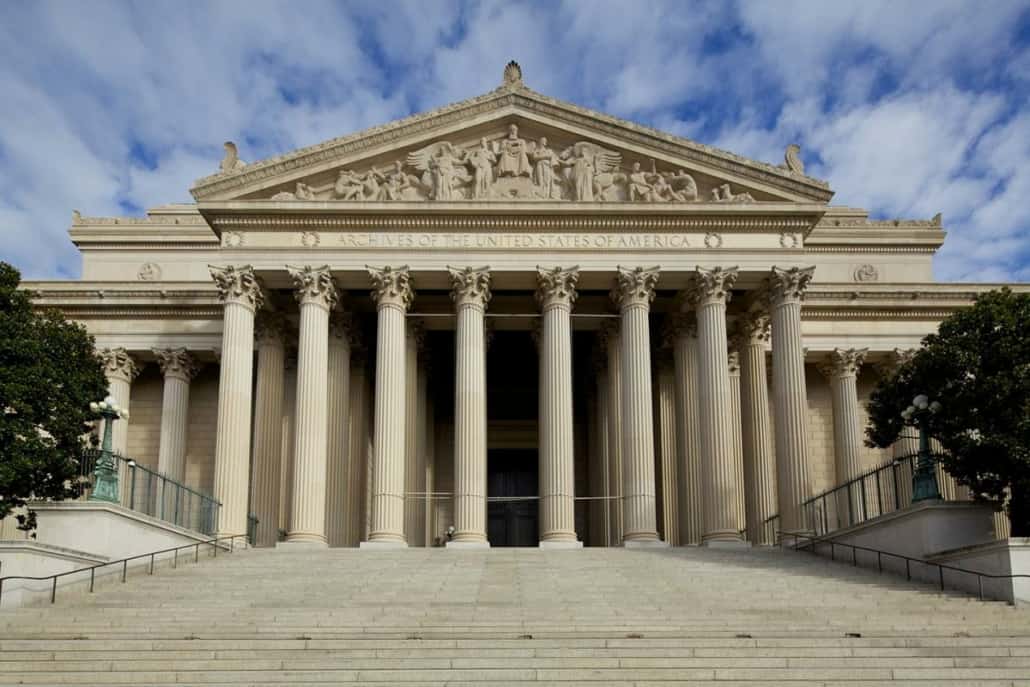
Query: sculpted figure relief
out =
(511, 168)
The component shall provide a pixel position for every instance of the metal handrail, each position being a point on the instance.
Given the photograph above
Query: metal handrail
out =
(941, 567)
(125, 563)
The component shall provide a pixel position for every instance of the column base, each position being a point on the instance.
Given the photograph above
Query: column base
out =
(726, 544)
(468, 545)
(645, 544)
(561, 544)
(383, 545)
(301, 545)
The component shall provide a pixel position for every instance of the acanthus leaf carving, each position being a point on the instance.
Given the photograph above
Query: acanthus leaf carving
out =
(753, 328)
(634, 286)
(238, 284)
(391, 286)
(789, 284)
(119, 363)
(177, 362)
(314, 285)
(270, 327)
(843, 362)
(470, 285)
(714, 285)
(556, 286)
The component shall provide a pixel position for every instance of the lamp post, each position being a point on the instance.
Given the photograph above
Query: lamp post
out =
(924, 477)
(105, 487)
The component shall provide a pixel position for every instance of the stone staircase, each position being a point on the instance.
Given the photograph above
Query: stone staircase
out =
(515, 616)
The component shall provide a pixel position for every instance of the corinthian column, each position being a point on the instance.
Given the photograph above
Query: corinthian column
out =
(178, 368)
(391, 290)
(600, 510)
(738, 447)
(688, 429)
(841, 368)
(270, 335)
(337, 445)
(471, 293)
(718, 474)
(756, 432)
(357, 452)
(612, 344)
(790, 410)
(633, 293)
(556, 293)
(667, 447)
(120, 370)
(317, 294)
(241, 292)
(414, 451)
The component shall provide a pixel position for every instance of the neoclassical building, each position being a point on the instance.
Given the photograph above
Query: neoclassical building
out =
(508, 321)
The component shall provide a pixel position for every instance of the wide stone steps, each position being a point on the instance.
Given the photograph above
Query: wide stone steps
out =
(595, 616)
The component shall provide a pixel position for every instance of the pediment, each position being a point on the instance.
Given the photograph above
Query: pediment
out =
(510, 145)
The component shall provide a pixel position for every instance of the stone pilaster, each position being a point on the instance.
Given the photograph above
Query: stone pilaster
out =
(786, 288)
(556, 293)
(270, 337)
(414, 451)
(471, 293)
(241, 293)
(178, 368)
(738, 442)
(338, 443)
(688, 429)
(120, 369)
(667, 448)
(633, 293)
(612, 342)
(756, 428)
(317, 295)
(718, 474)
(393, 295)
(357, 451)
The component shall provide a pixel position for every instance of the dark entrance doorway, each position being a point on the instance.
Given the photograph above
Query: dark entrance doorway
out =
(510, 473)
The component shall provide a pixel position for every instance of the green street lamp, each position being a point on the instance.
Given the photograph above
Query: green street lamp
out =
(924, 477)
(105, 486)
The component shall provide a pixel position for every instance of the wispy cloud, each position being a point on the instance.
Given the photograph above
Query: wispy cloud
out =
(907, 108)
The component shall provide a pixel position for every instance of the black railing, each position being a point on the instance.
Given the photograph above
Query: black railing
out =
(812, 544)
(883, 490)
(212, 544)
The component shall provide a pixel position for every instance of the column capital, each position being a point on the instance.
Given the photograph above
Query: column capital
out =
(714, 285)
(470, 285)
(788, 285)
(634, 286)
(119, 364)
(682, 325)
(608, 333)
(895, 359)
(391, 286)
(843, 362)
(238, 284)
(270, 328)
(315, 285)
(341, 326)
(177, 363)
(556, 286)
(733, 362)
(752, 329)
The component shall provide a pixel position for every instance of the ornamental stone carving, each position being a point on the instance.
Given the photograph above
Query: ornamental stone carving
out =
(119, 364)
(714, 285)
(177, 362)
(895, 359)
(238, 284)
(270, 327)
(713, 240)
(788, 284)
(391, 286)
(149, 271)
(733, 362)
(231, 161)
(682, 324)
(634, 286)
(752, 328)
(309, 239)
(865, 273)
(843, 362)
(470, 285)
(341, 325)
(314, 285)
(792, 159)
(232, 239)
(608, 334)
(556, 286)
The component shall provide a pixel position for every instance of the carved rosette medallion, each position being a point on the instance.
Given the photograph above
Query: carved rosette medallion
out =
(843, 362)
(232, 239)
(177, 363)
(238, 284)
(391, 286)
(149, 271)
(270, 328)
(714, 285)
(470, 286)
(788, 285)
(865, 273)
(556, 286)
(790, 240)
(315, 285)
(713, 240)
(634, 286)
(310, 239)
(118, 364)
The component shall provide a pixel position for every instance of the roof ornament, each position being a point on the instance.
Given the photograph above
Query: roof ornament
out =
(792, 158)
(231, 162)
(512, 75)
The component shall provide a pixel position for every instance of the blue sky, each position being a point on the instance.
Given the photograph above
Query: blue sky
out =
(907, 108)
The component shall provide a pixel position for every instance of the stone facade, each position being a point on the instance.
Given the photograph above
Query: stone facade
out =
(406, 268)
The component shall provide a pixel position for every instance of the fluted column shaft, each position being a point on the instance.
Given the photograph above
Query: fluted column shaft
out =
(393, 295)
(759, 458)
(338, 444)
(357, 453)
(790, 410)
(471, 293)
(614, 413)
(178, 368)
(688, 432)
(718, 474)
(414, 452)
(241, 292)
(633, 293)
(668, 451)
(556, 294)
(842, 371)
(268, 427)
(738, 440)
(599, 506)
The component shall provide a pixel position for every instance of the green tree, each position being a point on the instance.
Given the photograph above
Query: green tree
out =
(977, 366)
(49, 373)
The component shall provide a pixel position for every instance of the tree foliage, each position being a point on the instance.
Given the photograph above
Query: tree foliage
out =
(49, 373)
(978, 367)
